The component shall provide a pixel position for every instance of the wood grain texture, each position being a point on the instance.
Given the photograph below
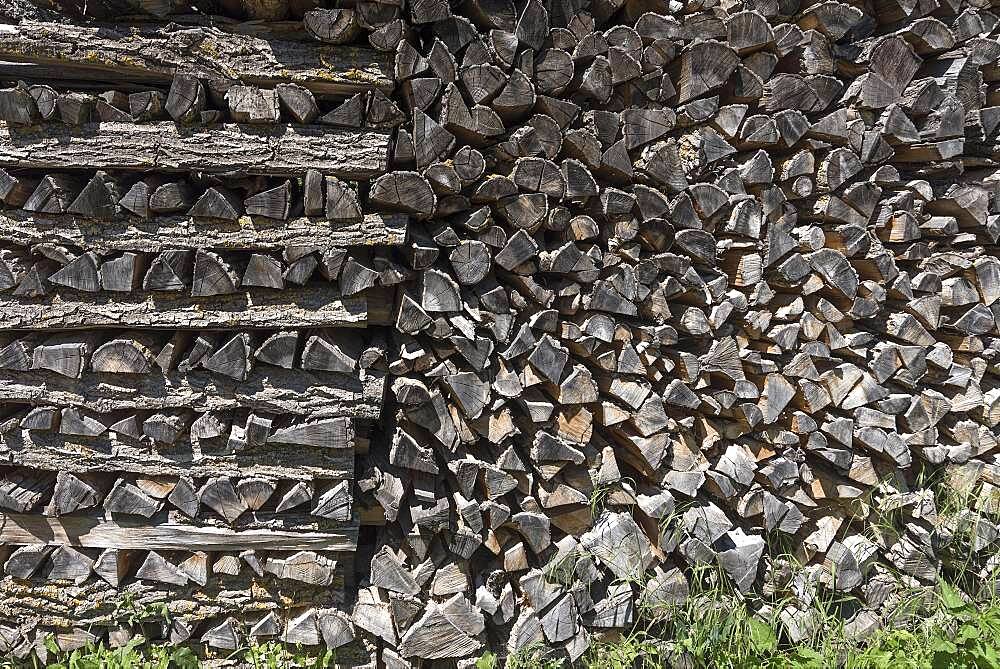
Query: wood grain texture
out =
(293, 392)
(57, 452)
(297, 307)
(98, 604)
(167, 147)
(130, 233)
(92, 532)
(152, 54)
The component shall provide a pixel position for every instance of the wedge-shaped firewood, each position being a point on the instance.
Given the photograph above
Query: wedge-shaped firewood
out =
(99, 199)
(41, 418)
(232, 358)
(255, 492)
(404, 191)
(134, 353)
(25, 561)
(127, 498)
(72, 493)
(217, 202)
(17, 106)
(326, 354)
(169, 271)
(219, 494)
(81, 274)
(335, 503)
(22, 489)
(212, 275)
(279, 349)
(349, 114)
(302, 629)
(341, 201)
(53, 195)
(165, 428)
(305, 566)
(327, 433)
(62, 355)
(299, 493)
(69, 564)
(171, 197)
(186, 99)
(15, 190)
(73, 422)
(112, 565)
(273, 203)
(147, 106)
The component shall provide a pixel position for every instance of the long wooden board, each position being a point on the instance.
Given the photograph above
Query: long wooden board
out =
(58, 452)
(96, 604)
(311, 306)
(131, 233)
(92, 532)
(168, 147)
(272, 390)
(151, 54)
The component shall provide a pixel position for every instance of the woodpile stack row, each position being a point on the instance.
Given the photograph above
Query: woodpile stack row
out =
(700, 284)
(185, 382)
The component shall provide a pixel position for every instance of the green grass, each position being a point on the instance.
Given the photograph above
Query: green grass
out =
(954, 624)
(138, 655)
(715, 629)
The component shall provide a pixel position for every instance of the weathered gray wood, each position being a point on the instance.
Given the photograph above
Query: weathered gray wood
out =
(152, 54)
(295, 307)
(268, 389)
(78, 455)
(98, 605)
(167, 147)
(127, 233)
(94, 532)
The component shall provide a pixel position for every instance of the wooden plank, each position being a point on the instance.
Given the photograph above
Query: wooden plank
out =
(92, 532)
(267, 389)
(312, 306)
(168, 147)
(59, 452)
(96, 604)
(151, 54)
(130, 233)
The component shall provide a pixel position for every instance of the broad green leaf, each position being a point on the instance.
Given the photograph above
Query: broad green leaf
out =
(763, 637)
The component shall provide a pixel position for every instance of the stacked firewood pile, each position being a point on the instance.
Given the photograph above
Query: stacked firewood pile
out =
(184, 387)
(696, 282)
(683, 285)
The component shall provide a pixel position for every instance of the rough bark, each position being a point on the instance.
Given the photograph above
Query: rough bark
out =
(167, 147)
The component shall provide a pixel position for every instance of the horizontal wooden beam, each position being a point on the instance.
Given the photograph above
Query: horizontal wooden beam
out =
(168, 147)
(131, 233)
(59, 452)
(95, 604)
(91, 532)
(311, 306)
(151, 54)
(272, 390)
